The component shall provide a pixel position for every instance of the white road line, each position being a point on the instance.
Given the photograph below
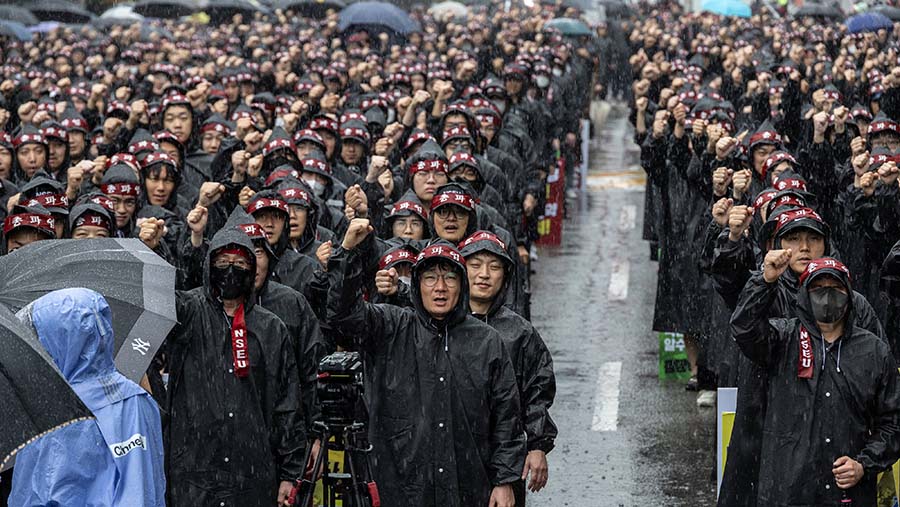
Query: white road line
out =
(618, 281)
(627, 217)
(606, 400)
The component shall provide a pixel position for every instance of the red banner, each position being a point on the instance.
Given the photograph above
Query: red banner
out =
(550, 223)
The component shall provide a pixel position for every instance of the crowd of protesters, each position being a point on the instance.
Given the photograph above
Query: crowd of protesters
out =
(771, 147)
(317, 190)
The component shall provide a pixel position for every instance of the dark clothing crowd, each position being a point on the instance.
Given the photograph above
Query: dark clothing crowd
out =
(771, 147)
(318, 190)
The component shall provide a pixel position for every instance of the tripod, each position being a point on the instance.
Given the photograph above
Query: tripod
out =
(356, 488)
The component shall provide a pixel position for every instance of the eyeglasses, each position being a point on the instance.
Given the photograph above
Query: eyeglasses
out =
(457, 145)
(128, 202)
(451, 279)
(227, 263)
(450, 209)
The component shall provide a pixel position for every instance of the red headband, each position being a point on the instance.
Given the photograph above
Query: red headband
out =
(92, 219)
(883, 125)
(769, 136)
(790, 184)
(144, 145)
(441, 251)
(482, 236)
(263, 203)
(823, 263)
(254, 230)
(428, 165)
(49, 201)
(314, 163)
(786, 200)
(233, 251)
(42, 222)
(796, 214)
(764, 199)
(457, 198)
(409, 206)
(293, 194)
(395, 258)
(132, 189)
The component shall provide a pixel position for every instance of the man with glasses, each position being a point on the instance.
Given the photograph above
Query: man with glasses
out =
(236, 434)
(444, 407)
(453, 214)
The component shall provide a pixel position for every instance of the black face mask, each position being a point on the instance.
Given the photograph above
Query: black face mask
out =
(231, 282)
(829, 304)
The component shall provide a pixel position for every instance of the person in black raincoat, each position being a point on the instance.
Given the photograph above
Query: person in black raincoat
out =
(489, 269)
(803, 231)
(464, 445)
(289, 267)
(833, 417)
(235, 434)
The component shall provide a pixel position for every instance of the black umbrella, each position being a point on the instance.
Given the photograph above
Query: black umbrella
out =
(616, 9)
(816, 10)
(889, 11)
(60, 10)
(164, 8)
(221, 11)
(138, 285)
(36, 398)
(19, 14)
(377, 14)
(316, 9)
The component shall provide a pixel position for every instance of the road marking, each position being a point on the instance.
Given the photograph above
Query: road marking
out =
(627, 217)
(618, 281)
(606, 401)
(627, 180)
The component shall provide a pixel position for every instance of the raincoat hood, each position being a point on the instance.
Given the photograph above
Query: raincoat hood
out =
(75, 326)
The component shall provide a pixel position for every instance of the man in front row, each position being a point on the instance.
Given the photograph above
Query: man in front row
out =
(443, 401)
(833, 401)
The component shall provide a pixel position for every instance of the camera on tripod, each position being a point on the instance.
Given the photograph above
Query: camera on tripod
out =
(341, 428)
(340, 388)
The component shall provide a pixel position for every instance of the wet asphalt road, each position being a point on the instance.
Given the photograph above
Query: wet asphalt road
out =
(593, 304)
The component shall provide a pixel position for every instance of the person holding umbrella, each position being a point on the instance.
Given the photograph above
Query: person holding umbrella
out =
(115, 460)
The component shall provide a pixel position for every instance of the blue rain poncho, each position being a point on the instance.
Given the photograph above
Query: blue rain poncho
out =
(115, 460)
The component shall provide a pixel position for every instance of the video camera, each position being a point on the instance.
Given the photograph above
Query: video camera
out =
(340, 388)
(342, 428)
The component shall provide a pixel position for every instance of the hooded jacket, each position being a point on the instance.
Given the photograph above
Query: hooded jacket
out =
(529, 354)
(444, 408)
(123, 464)
(230, 439)
(849, 407)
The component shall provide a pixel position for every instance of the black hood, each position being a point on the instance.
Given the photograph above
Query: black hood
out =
(228, 235)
